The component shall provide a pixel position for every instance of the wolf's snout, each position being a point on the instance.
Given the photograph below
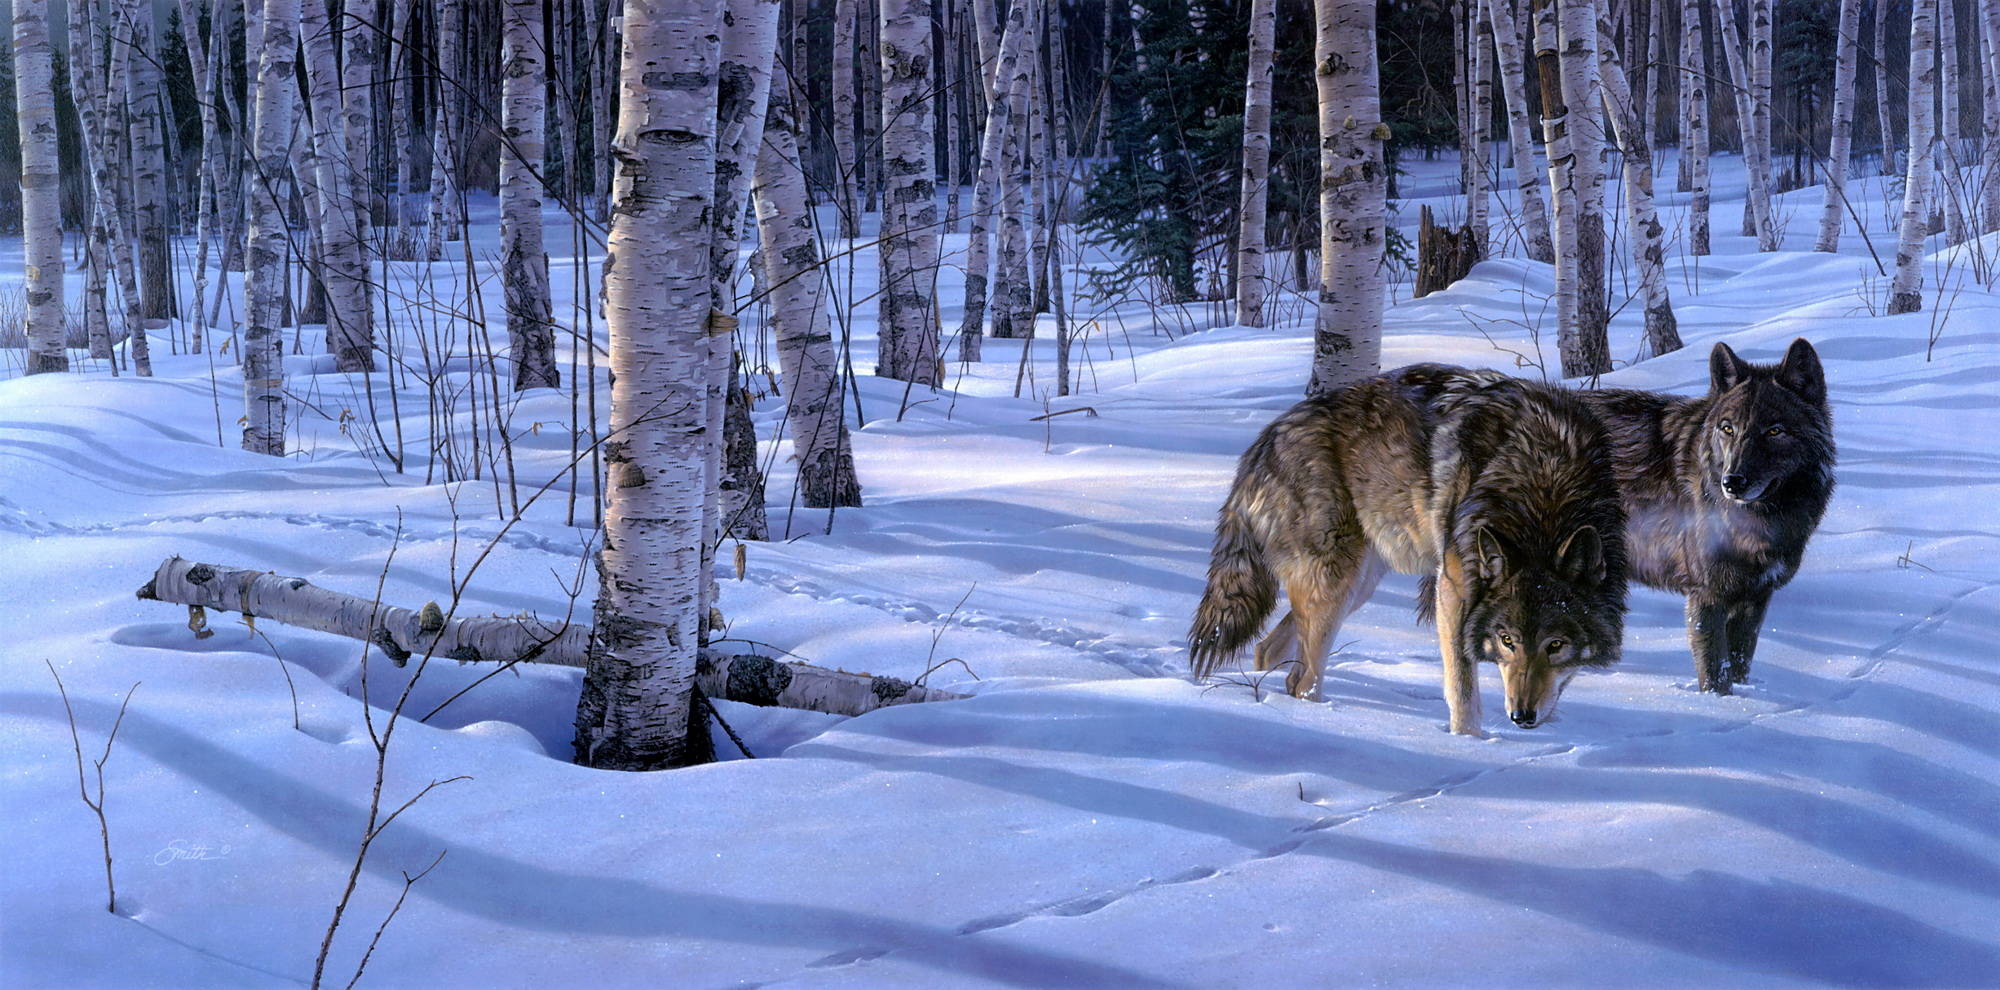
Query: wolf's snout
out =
(1523, 717)
(1735, 485)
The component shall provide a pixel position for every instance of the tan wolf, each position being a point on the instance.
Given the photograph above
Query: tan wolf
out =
(1500, 492)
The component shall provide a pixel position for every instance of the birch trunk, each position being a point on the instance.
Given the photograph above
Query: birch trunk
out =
(1885, 121)
(1010, 265)
(638, 710)
(401, 633)
(117, 180)
(1481, 94)
(998, 76)
(1694, 77)
(41, 189)
(1589, 352)
(361, 60)
(208, 59)
(1906, 292)
(1763, 227)
(1989, 28)
(1948, 111)
(799, 317)
(1256, 166)
(909, 241)
(1743, 85)
(846, 165)
(402, 72)
(343, 268)
(597, 18)
(1535, 235)
(1646, 233)
(149, 161)
(86, 83)
(445, 221)
(266, 243)
(868, 156)
(951, 91)
(524, 262)
(1347, 332)
(749, 48)
(1839, 147)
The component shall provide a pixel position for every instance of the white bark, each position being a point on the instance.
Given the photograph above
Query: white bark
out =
(637, 710)
(1256, 175)
(1756, 162)
(1646, 234)
(909, 241)
(1760, 55)
(1885, 120)
(1589, 352)
(343, 268)
(41, 190)
(116, 182)
(144, 93)
(1906, 293)
(801, 323)
(524, 262)
(749, 47)
(1948, 116)
(265, 245)
(208, 61)
(846, 15)
(360, 63)
(1010, 296)
(1480, 72)
(85, 85)
(1347, 331)
(1535, 231)
(403, 85)
(998, 76)
(1694, 123)
(428, 632)
(445, 219)
(1847, 39)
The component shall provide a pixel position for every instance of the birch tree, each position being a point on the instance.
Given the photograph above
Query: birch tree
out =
(1694, 123)
(845, 164)
(1647, 234)
(1537, 240)
(800, 321)
(266, 242)
(1574, 140)
(743, 89)
(1347, 330)
(1012, 313)
(1480, 102)
(86, 85)
(638, 709)
(524, 263)
(116, 187)
(41, 190)
(1256, 166)
(445, 220)
(1763, 227)
(909, 242)
(997, 80)
(1885, 120)
(143, 94)
(1755, 162)
(343, 268)
(1989, 28)
(1847, 39)
(1906, 291)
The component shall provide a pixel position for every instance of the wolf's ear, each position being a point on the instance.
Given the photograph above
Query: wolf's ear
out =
(1725, 369)
(1581, 557)
(1801, 372)
(1490, 559)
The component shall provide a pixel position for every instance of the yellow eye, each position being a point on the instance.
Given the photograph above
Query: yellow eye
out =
(1556, 645)
(1728, 430)
(1775, 431)
(1506, 641)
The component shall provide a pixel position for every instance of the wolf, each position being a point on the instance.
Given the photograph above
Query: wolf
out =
(1722, 492)
(1500, 492)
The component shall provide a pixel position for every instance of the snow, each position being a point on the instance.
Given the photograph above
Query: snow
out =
(1089, 817)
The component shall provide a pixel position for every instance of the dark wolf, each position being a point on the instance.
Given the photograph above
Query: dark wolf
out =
(1500, 492)
(1722, 492)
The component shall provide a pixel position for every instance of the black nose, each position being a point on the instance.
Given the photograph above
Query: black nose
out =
(1525, 718)
(1734, 484)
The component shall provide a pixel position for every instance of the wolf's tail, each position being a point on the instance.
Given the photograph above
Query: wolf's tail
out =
(1240, 595)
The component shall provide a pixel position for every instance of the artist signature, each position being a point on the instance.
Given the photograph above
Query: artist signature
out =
(181, 849)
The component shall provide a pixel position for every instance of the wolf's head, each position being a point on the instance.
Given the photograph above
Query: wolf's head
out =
(1543, 621)
(1765, 424)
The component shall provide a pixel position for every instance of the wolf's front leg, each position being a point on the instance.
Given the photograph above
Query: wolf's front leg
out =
(1461, 677)
(1746, 620)
(1707, 627)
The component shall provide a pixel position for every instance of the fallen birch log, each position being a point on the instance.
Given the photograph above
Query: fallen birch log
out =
(401, 633)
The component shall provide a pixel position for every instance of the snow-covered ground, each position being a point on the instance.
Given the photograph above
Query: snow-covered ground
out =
(1089, 817)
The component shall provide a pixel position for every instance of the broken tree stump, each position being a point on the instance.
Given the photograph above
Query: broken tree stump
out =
(401, 633)
(1444, 255)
